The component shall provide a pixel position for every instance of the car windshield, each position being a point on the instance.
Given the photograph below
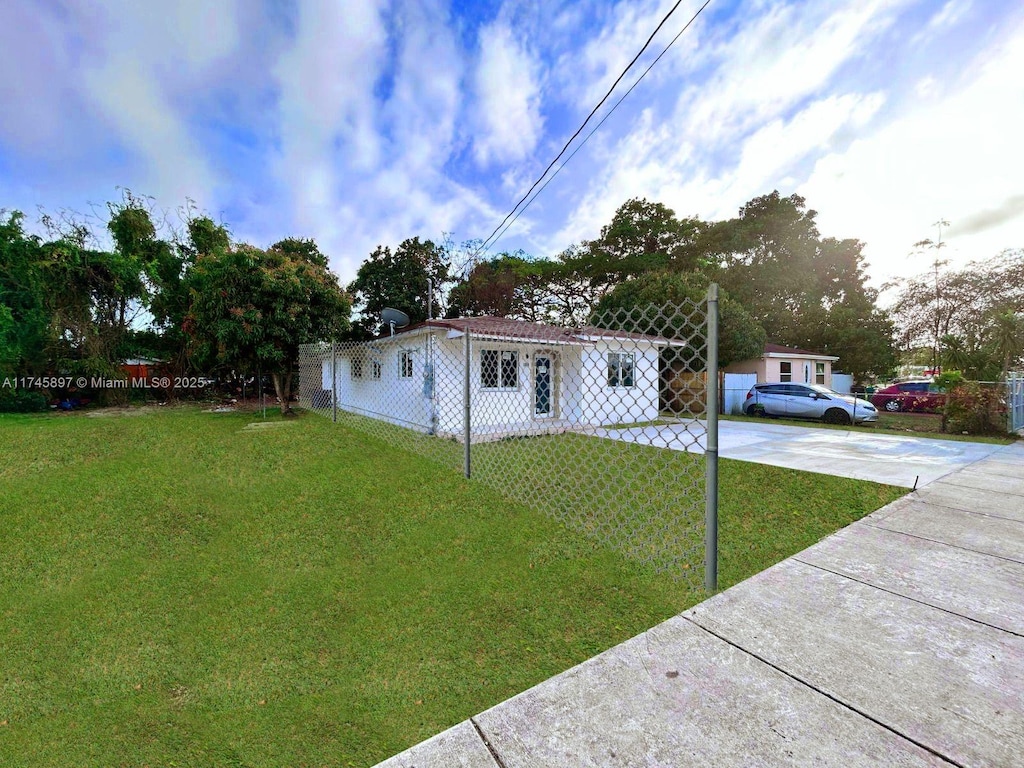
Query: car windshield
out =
(823, 389)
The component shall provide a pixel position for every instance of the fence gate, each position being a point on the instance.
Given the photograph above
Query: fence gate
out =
(611, 427)
(1015, 402)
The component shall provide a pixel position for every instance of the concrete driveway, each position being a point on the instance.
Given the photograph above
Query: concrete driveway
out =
(882, 458)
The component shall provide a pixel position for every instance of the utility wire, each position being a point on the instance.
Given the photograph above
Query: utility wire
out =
(505, 227)
(584, 124)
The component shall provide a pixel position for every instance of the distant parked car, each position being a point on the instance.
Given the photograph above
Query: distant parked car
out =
(918, 396)
(807, 401)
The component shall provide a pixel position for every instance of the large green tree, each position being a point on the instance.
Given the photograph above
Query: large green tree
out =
(971, 314)
(674, 304)
(94, 296)
(510, 285)
(642, 236)
(803, 289)
(157, 268)
(250, 309)
(399, 279)
(26, 330)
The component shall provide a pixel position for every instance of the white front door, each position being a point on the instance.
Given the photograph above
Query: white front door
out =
(543, 386)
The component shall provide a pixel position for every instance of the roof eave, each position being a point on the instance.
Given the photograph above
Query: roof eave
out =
(803, 355)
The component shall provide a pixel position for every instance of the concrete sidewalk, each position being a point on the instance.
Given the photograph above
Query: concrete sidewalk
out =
(898, 640)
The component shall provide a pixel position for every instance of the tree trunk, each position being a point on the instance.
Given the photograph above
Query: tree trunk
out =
(283, 388)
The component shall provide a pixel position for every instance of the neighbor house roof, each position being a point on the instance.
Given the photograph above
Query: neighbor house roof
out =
(778, 350)
(522, 330)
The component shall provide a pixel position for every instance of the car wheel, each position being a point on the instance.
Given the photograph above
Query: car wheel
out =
(892, 406)
(836, 416)
(757, 410)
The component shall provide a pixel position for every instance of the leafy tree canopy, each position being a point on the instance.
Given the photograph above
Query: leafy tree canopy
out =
(399, 279)
(803, 289)
(510, 285)
(974, 315)
(639, 305)
(250, 309)
(25, 312)
(641, 237)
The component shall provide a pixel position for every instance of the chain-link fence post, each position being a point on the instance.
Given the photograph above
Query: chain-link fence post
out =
(466, 409)
(334, 381)
(711, 452)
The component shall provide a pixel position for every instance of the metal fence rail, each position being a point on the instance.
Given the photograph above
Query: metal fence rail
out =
(603, 427)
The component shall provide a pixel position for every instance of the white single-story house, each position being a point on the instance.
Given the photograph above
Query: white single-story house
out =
(781, 364)
(524, 377)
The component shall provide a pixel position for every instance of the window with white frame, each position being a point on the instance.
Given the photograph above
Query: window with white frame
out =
(375, 369)
(499, 368)
(620, 369)
(405, 365)
(357, 368)
(785, 371)
(819, 373)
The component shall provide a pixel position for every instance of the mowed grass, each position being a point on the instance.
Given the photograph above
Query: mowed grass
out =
(179, 589)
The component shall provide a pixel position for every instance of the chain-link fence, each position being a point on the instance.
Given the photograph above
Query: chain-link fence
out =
(1015, 402)
(972, 407)
(603, 427)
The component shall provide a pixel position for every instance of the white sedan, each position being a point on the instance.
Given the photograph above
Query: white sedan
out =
(808, 401)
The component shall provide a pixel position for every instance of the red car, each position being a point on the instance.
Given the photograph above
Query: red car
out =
(909, 396)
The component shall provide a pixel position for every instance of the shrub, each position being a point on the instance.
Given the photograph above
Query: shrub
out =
(21, 401)
(976, 409)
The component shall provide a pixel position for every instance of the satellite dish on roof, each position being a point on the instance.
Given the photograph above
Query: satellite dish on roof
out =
(395, 318)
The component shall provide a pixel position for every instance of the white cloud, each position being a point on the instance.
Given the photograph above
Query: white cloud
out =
(149, 62)
(957, 158)
(146, 122)
(426, 99)
(947, 17)
(949, 14)
(780, 145)
(123, 64)
(733, 137)
(35, 83)
(784, 56)
(927, 87)
(326, 81)
(361, 171)
(588, 74)
(368, 123)
(507, 89)
(199, 31)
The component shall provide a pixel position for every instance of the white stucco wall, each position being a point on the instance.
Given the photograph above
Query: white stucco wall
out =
(580, 391)
(391, 397)
(769, 369)
(600, 404)
(802, 369)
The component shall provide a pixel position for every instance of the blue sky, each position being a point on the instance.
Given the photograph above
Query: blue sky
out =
(363, 123)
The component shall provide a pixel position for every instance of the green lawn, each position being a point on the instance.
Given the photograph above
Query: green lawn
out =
(177, 589)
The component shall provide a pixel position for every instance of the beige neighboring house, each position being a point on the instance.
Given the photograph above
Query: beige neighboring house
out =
(781, 364)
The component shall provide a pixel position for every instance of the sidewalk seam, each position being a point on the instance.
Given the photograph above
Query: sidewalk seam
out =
(907, 597)
(940, 478)
(490, 748)
(829, 696)
(929, 502)
(879, 527)
(941, 481)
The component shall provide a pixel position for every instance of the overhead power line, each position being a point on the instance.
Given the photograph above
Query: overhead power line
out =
(516, 211)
